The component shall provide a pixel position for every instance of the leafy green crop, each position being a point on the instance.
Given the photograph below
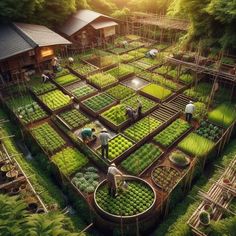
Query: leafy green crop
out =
(102, 79)
(83, 69)
(82, 91)
(55, 99)
(86, 180)
(69, 160)
(98, 102)
(74, 118)
(165, 177)
(156, 91)
(26, 109)
(66, 79)
(147, 104)
(38, 87)
(116, 114)
(120, 92)
(135, 200)
(142, 128)
(196, 145)
(172, 132)
(141, 159)
(186, 78)
(117, 146)
(223, 115)
(48, 137)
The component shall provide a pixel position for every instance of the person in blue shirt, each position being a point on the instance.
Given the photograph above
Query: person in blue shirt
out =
(87, 134)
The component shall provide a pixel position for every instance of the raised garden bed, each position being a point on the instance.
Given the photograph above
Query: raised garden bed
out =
(97, 104)
(115, 117)
(145, 63)
(119, 146)
(120, 92)
(87, 179)
(141, 159)
(73, 118)
(209, 131)
(48, 138)
(26, 109)
(179, 159)
(136, 202)
(165, 177)
(196, 145)
(154, 78)
(142, 128)
(121, 72)
(156, 92)
(82, 69)
(55, 100)
(102, 81)
(83, 91)
(69, 160)
(223, 115)
(38, 88)
(172, 133)
(147, 104)
(135, 83)
(66, 79)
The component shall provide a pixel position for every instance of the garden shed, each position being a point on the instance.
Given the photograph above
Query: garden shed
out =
(87, 27)
(26, 47)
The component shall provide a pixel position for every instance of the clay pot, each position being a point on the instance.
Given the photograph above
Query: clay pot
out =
(12, 174)
(227, 181)
(14, 191)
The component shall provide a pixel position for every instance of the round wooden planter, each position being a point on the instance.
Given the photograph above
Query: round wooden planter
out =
(125, 219)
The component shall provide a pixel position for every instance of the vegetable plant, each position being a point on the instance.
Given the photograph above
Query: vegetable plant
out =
(141, 159)
(87, 179)
(117, 146)
(147, 104)
(135, 200)
(55, 99)
(120, 71)
(179, 158)
(162, 70)
(38, 87)
(120, 92)
(170, 134)
(98, 102)
(27, 109)
(47, 137)
(165, 177)
(155, 78)
(196, 145)
(186, 78)
(223, 115)
(142, 128)
(116, 114)
(102, 80)
(82, 68)
(156, 91)
(200, 110)
(73, 118)
(83, 91)
(69, 160)
(209, 131)
(66, 79)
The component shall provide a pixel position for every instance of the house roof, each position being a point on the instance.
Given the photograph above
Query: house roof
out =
(104, 24)
(18, 38)
(12, 43)
(41, 35)
(79, 20)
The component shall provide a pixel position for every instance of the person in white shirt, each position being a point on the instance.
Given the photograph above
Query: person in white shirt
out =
(104, 138)
(45, 78)
(189, 110)
(112, 173)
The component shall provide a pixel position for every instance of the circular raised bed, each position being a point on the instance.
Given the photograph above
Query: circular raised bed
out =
(179, 159)
(165, 177)
(137, 201)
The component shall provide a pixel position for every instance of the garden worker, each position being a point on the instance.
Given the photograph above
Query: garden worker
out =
(54, 64)
(71, 61)
(44, 77)
(130, 113)
(139, 109)
(112, 173)
(87, 134)
(189, 110)
(104, 137)
(125, 44)
(152, 53)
